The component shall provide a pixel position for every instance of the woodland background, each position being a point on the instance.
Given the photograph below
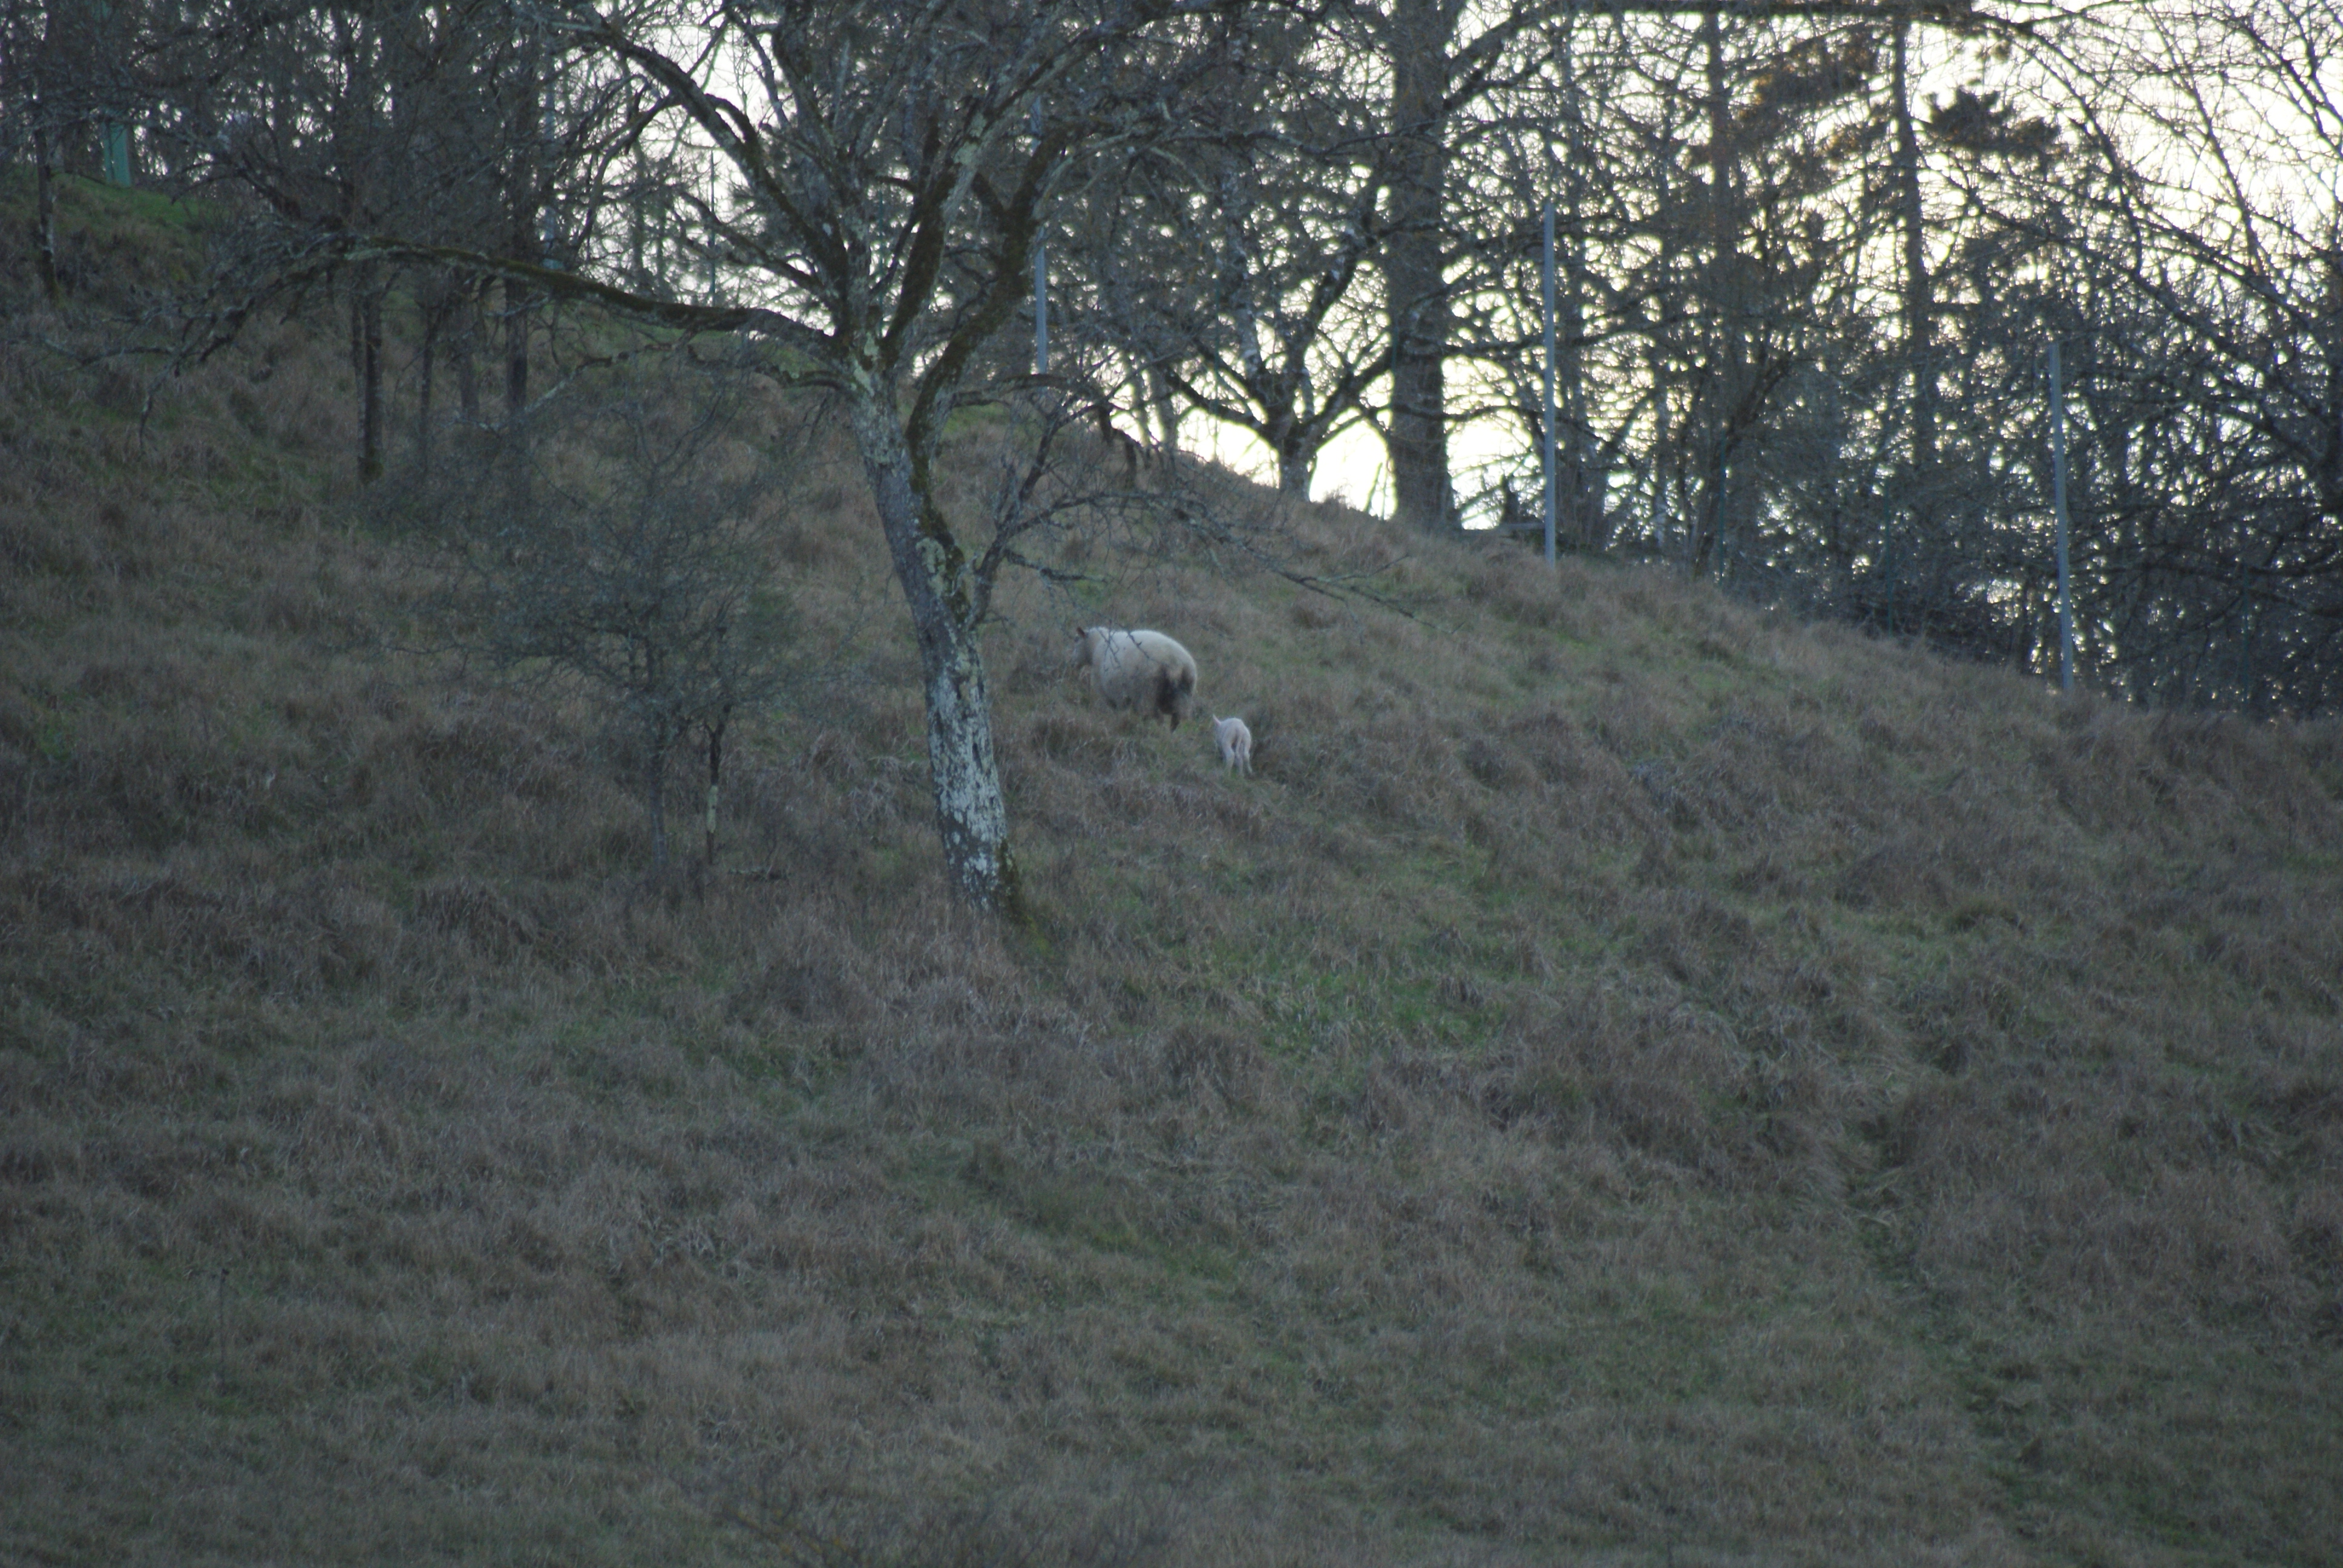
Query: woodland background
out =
(1811, 258)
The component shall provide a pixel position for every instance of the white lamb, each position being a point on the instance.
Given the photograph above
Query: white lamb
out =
(1235, 742)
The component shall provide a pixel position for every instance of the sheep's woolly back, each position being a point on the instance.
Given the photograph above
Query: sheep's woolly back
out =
(1142, 670)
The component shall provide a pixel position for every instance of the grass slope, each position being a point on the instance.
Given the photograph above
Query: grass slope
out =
(1631, 1080)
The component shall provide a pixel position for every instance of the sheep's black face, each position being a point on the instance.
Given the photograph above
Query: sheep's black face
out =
(1173, 699)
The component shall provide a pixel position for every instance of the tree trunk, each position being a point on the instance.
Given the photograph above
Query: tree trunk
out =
(521, 192)
(715, 779)
(1160, 399)
(1918, 305)
(435, 304)
(1586, 516)
(1663, 459)
(2334, 335)
(1423, 495)
(1294, 474)
(972, 811)
(1580, 484)
(655, 795)
(1708, 523)
(1721, 292)
(468, 337)
(1295, 465)
(45, 237)
(370, 374)
(517, 307)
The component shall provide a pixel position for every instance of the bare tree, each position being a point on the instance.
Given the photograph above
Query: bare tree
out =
(882, 194)
(1237, 266)
(1443, 63)
(633, 560)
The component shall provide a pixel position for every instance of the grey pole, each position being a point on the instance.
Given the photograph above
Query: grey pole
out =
(2058, 505)
(1549, 385)
(1040, 282)
(114, 139)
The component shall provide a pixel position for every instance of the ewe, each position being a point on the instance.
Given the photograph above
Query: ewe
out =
(1142, 670)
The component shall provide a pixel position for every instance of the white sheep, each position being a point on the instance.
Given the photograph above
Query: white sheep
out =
(1235, 742)
(1142, 670)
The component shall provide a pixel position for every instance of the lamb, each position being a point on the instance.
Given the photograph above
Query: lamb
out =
(1142, 670)
(1235, 742)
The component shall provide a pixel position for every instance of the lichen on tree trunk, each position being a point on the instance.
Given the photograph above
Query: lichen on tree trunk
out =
(936, 577)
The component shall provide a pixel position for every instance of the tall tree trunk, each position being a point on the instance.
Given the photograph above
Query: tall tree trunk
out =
(1163, 401)
(1296, 459)
(525, 210)
(467, 339)
(370, 333)
(44, 213)
(1663, 460)
(1423, 495)
(517, 302)
(1918, 304)
(1584, 487)
(1288, 434)
(1721, 292)
(658, 737)
(971, 810)
(1140, 391)
(2334, 335)
(435, 310)
(715, 777)
(1708, 528)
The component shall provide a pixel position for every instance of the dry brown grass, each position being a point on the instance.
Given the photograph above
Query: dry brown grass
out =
(1632, 1079)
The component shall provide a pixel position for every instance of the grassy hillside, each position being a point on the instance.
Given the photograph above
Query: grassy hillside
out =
(1630, 1080)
